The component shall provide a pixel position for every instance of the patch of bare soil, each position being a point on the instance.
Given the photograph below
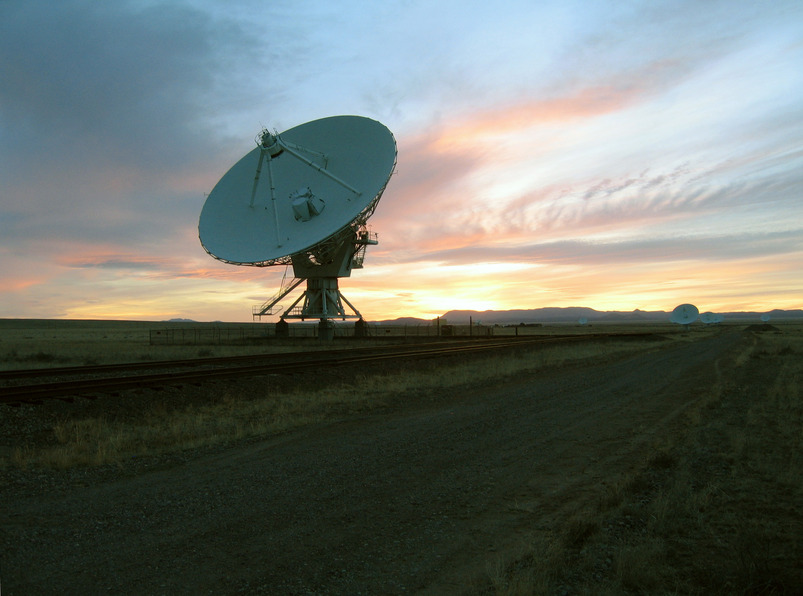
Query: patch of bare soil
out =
(424, 498)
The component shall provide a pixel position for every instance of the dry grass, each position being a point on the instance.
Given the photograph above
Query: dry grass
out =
(235, 416)
(714, 509)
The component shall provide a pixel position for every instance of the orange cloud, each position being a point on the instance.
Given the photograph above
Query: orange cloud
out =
(586, 102)
(18, 284)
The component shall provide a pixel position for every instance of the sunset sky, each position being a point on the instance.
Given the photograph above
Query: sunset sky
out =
(615, 155)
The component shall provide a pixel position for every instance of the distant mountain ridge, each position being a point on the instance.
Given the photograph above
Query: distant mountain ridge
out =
(573, 314)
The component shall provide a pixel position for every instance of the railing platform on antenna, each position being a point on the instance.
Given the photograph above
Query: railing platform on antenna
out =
(367, 237)
(261, 310)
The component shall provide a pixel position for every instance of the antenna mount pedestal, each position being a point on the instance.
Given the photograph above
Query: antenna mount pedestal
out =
(321, 269)
(321, 300)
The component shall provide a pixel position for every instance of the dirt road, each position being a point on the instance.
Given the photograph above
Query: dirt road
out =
(422, 499)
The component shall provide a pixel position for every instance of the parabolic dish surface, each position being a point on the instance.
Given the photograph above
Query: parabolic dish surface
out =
(357, 151)
(684, 314)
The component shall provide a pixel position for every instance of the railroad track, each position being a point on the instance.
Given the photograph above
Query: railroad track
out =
(27, 387)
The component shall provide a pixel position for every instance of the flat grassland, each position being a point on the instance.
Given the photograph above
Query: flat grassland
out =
(42, 343)
(669, 466)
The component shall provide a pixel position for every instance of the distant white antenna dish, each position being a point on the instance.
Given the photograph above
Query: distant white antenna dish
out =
(766, 317)
(303, 197)
(708, 318)
(684, 314)
(582, 320)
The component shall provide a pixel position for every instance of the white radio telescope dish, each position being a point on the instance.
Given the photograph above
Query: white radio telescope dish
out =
(684, 314)
(708, 318)
(303, 197)
(765, 318)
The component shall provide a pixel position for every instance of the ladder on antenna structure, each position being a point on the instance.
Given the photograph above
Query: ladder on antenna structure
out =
(364, 238)
(271, 307)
